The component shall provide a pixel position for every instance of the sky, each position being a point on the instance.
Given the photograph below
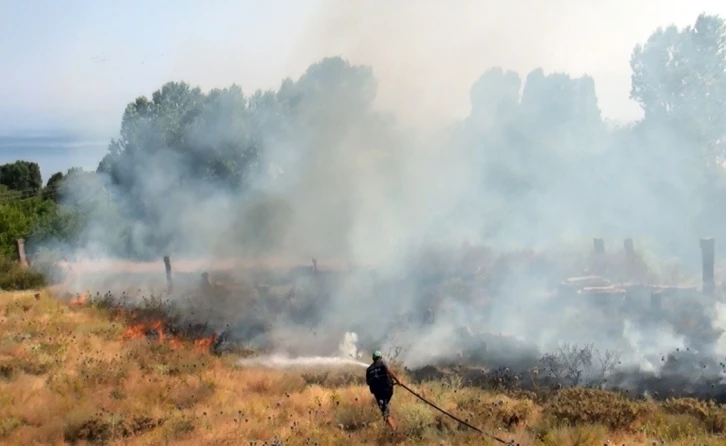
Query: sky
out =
(74, 65)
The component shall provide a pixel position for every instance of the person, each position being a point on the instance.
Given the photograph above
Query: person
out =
(380, 381)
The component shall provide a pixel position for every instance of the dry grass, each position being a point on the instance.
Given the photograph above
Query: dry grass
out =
(66, 377)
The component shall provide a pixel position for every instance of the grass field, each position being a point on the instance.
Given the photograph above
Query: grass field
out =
(78, 374)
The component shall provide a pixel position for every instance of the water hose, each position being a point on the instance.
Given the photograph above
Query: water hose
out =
(486, 434)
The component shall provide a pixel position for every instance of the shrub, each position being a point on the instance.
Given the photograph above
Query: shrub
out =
(510, 412)
(575, 435)
(581, 405)
(314, 378)
(101, 429)
(673, 427)
(355, 415)
(14, 278)
(712, 415)
(415, 420)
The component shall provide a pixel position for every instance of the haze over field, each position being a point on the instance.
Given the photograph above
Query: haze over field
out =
(397, 137)
(425, 57)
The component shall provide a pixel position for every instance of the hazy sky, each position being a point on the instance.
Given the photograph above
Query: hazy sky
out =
(75, 64)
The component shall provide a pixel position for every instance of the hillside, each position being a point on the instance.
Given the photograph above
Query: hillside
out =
(78, 374)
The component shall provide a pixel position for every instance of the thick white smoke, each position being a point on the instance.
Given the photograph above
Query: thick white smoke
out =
(316, 169)
(347, 356)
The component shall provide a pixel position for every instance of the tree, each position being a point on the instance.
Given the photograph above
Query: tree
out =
(21, 176)
(679, 80)
(335, 91)
(528, 130)
(494, 99)
(19, 218)
(561, 109)
(52, 186)
(220, 142)
(151, 130)
(182, 146)
(54, 180)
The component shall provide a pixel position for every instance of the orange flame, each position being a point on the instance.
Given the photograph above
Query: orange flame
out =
(158, 327)
(134, 332)
(139, 331)
(204, 344)
(79, 299)
(175, 343)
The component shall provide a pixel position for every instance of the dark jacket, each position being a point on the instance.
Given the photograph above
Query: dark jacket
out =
(378, 379)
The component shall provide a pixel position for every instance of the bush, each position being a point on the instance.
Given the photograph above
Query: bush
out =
(15, 278)
(415, 420)
(510, 412)
(100, 428)
(711, 414)
(354, 415)
(594, 406)
(575, 435)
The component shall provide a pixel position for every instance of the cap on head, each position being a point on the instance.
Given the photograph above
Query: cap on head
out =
(377, 355)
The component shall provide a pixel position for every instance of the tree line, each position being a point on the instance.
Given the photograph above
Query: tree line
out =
(530, 139)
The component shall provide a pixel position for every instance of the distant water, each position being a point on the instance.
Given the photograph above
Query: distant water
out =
(52, 153)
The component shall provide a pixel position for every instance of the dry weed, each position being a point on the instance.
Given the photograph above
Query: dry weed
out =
(67, 377)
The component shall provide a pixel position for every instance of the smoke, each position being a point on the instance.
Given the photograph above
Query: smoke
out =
(348, 346)
(282, 362)
(471, 223)
(347, 352)
(720, 323)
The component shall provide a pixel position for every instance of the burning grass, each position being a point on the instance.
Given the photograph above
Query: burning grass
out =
(86, 372)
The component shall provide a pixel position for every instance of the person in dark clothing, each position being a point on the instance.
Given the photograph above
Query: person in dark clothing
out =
(380, 381)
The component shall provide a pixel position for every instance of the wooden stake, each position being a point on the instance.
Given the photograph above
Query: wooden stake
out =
(628, 245)
(708, 252)
(167, 266)
(20, 248)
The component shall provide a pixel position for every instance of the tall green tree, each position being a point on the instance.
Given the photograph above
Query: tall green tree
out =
(494, 99)
(53, 185)
(19, 218)
(679, 80)
(54, 180)
(21, 176)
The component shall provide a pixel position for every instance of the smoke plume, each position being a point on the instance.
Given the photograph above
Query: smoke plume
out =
(447, 243)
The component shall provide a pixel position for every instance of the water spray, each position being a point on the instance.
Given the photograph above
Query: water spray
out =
(347, 356)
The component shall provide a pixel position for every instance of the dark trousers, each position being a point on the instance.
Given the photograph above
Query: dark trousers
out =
(383, 398)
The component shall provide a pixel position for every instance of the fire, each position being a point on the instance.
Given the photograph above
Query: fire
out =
(204, 344)
(175, 343)
(134, 332)
(79, 299)
(141, 330)
(138, 331)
